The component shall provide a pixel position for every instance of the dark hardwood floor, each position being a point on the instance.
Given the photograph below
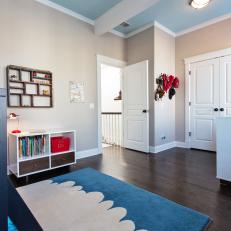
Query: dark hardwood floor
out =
(187, 177)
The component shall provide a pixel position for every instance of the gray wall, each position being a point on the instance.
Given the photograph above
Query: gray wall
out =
(37, 36)
(140, 47)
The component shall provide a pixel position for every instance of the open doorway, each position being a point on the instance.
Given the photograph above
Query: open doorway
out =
(123, 119)
(111, 105)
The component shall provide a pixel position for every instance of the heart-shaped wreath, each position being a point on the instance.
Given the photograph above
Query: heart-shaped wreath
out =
(166, 83)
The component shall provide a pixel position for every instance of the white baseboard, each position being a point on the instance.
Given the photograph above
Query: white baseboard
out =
(181, 144)
(87, 153)
(152, 149)
(164, 147)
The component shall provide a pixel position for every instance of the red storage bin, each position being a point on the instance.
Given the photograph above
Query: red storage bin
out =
(60, 144)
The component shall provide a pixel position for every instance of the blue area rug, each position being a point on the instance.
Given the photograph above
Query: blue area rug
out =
(11, 226)
(147, 210)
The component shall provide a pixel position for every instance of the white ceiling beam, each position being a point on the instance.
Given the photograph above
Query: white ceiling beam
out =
(121, 12)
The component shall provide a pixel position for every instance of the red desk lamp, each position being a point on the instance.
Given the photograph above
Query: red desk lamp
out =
(13, 116)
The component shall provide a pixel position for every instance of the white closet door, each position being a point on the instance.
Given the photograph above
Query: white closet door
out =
(225, 86)
(204, 97)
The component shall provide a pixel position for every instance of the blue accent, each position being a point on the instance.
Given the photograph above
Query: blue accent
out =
(177, 15)
(11, 226)
(89, 8)
(147, 210)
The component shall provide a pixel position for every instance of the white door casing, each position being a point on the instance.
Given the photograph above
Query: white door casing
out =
(225, 86)
(136, 106)
(204, 98)
(111, 62)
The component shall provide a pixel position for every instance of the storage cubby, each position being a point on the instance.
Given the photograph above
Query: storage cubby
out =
(30, 153)
(33, 147)
(69, 135)
(29, 87)
(26, 101)
(14, 100)
(25, 76)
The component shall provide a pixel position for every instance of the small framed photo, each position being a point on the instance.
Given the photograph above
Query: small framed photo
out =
(76, 92)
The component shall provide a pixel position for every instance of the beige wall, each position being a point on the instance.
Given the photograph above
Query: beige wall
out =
(164, 110)
(37, 36)
(159, 48)
(140, 47)
(211, 38)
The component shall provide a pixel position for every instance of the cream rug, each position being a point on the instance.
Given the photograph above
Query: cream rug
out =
(65, 207)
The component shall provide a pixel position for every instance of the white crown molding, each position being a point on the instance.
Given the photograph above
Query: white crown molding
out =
(145, 27)
(204, 24)
(66, 11)
(149, 25)
(75, 15)
(115, 32)
(191, 29)
(122, 35)
(164, 28)
(121, 12)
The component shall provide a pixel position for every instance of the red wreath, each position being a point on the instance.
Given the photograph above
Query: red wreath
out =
(166, 84)
(167, 81)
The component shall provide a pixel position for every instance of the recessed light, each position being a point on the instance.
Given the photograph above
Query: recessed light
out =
(198, 4)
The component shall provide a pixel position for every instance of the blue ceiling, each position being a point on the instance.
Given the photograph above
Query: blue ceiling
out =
(176, 15)
(89, 8)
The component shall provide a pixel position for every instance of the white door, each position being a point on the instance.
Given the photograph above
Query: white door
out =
(205, 105)
(225, 86)
(136, 105)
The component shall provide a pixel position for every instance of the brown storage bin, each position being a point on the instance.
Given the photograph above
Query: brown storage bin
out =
(62, 159)
(30, 166)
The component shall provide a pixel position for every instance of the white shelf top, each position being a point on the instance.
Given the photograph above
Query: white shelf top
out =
(59, 153)
(45, 132)
(26, 158)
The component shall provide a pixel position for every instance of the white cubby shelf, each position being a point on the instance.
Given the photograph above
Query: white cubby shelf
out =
(43, 160)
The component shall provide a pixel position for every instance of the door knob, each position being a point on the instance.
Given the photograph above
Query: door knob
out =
(222, 109)
(215, 109)
(144, 111)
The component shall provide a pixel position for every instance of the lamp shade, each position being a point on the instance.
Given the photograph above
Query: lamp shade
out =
(198, 4)
(13, 116)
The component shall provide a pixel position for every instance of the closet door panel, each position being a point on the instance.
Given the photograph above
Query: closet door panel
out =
(225, 86)
(204, 97)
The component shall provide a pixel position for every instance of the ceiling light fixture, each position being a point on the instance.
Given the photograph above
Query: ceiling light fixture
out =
(198, 4)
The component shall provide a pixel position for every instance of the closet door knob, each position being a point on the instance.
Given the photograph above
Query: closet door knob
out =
(215, 109)
(222, 109)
